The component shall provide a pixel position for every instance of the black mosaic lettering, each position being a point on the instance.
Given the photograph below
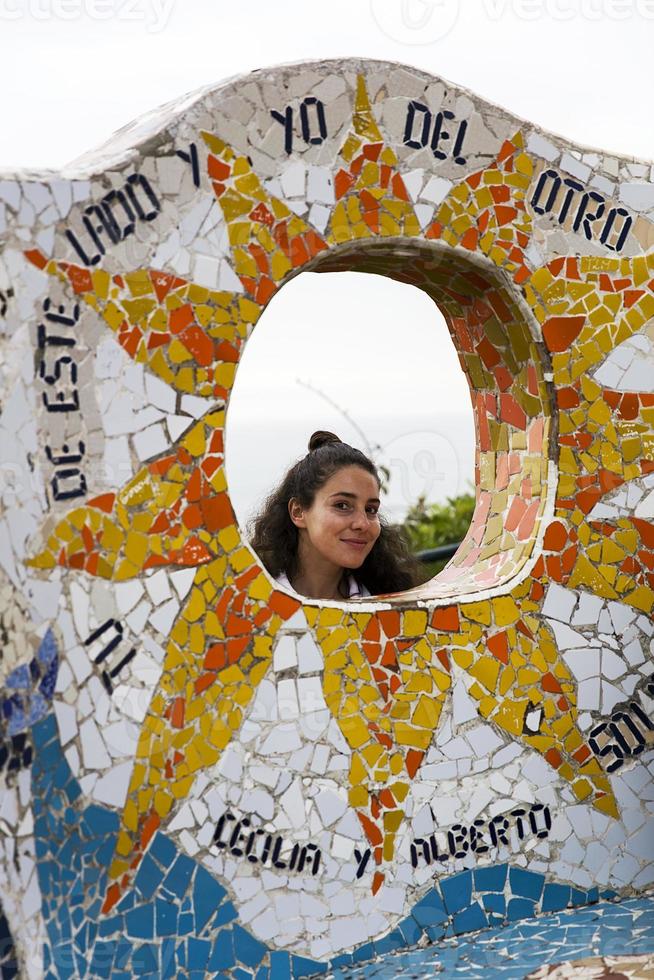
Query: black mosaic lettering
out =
(128, 217)
(477, 842)
(106, 223)
(435, 853)
(250, 846)
(585, 210)
(68, 484)
(361, 860)
(540, 814)
(604, 748)
(313, 123)
(109, 673)
(192, 158)
(88, 257)
(420, 122)
(572, 186)
(584, 218)
(440, 134)
(547, 175)
(276, 859)
(48, 340)
(622, 232)
(266, 848)
(237, 837)
(420, 114)
(217, 834)
(63, 365)
(5, 296)
(242, 841)
(64, 457)
(498, 828)
(457, 840)
(59, 371)
(624, 735)
(423, 844)
(140, 183)
(300, 856)
(519, 822)
(305, 121)
(115, 215)
(647, 725)
(482, 835)
(59, 315)
(286, 119)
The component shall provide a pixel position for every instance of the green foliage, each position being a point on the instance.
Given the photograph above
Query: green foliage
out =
(431, 525)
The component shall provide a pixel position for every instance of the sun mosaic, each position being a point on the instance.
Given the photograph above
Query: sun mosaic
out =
(227, 778)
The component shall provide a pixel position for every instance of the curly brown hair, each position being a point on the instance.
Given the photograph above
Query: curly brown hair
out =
(389, 567)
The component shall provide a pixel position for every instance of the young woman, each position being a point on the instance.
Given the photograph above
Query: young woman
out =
(320, 533)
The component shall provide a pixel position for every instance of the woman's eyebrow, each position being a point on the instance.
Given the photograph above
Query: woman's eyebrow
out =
(353, 496)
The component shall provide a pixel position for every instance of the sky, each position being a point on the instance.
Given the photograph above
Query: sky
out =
(73, 71)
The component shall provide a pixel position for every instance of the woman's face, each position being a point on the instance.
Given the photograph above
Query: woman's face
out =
(342, 524)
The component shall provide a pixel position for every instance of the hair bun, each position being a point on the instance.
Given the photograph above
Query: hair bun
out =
(322, 438)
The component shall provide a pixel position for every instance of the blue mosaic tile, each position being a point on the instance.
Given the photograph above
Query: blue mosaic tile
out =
(34, 685)
(410, 929)
(555, 897)
(162, 850)
(198, 951)
(520, 908)
(8, 959)
(526, 884)
(469, 920)
(178, 918)
(510, 952)
(430, 910)
(148, 877)
(177, 879)
(18, 678)
(222, 954)
(491, 879)
(457, 891)
(139, 922)
(494, 903)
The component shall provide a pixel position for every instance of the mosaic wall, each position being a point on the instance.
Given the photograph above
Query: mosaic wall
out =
(203, 775)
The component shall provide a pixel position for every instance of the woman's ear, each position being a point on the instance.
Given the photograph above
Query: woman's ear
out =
(296, 512)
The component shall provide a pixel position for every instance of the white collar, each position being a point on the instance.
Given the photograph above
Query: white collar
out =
(355, 591)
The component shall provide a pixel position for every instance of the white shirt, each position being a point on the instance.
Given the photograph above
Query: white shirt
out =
(355, 590)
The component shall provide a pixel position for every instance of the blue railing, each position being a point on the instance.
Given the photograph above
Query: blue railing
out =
(438, 554)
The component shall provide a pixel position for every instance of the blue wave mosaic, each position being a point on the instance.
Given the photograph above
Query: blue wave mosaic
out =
(8, 962)
(178, 920)
(511, 952)
(29, 689)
